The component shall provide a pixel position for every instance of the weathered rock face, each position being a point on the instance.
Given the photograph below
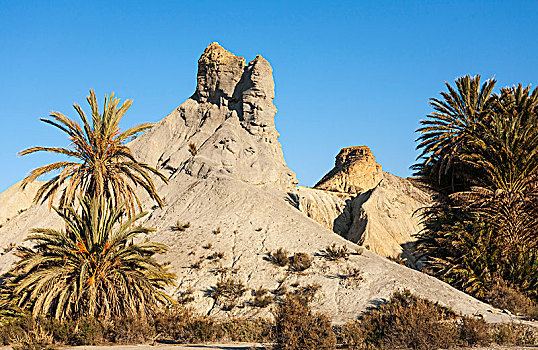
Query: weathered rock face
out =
(382, 216)
(16, 200)
(234, 192)
(229, 119)
(355, 171)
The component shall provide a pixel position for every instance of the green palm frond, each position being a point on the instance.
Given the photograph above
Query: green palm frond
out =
(94, 268)
(100, 162)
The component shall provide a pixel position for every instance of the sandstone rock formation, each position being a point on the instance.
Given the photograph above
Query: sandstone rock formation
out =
(234, 192)
(365, 205)
(355, 171)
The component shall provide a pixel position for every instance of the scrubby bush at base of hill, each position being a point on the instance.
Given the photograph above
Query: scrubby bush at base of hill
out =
(505, 297)
(176, 325)
(409, 322)
(405, 321)
(298, 328)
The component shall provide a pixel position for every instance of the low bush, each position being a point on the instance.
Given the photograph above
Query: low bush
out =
(335, 253)
(227, 292)
(193, 150)
(261, 298)
(307, 293)
(508, 298)
(279, 257)
(297, 328)
(409, 322)
(300, 262)
(181, 226)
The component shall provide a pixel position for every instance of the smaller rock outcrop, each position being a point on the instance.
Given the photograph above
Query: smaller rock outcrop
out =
(365, 205)
(355, 171)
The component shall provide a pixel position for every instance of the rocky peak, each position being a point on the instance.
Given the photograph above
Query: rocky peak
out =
(219, 71)
(355, 171)
(230, 121)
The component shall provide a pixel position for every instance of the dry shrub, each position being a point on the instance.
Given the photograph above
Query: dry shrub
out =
(352, 275)
(181, 226)
(406, 321)
(227, 292)
(250, 331)
(279, 257)
(29, 334)
(307, 293)
(193, 150)
(409, 322)
(297, 328)
(334, 253)
(300, 262)
(261, 298)
(514, 334)
(183, 326)
(474, 331)
(505, 297)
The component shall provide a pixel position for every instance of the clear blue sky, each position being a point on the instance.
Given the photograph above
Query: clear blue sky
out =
(347, 72)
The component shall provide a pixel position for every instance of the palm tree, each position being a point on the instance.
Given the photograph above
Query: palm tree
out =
(450, 130)
(102, 165)
(482, 163)
(92, 269)
(507, 153)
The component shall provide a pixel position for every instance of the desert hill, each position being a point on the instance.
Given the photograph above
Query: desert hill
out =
(228, 180)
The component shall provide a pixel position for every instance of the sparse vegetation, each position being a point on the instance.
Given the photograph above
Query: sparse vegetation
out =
(185, 296)
(177, 324)
(208, 245)
(279, 257)
(508, 298)
(298, 328)
(409, 322)
(281, 290)
(261, 298)
(198, 263)
(352, 274)
(9, 247)
(335, 253)
(192, 149)
(307, 293)
(300, 262)
(227, 292)
(216, 231)
(216, 256)
(181, 226)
